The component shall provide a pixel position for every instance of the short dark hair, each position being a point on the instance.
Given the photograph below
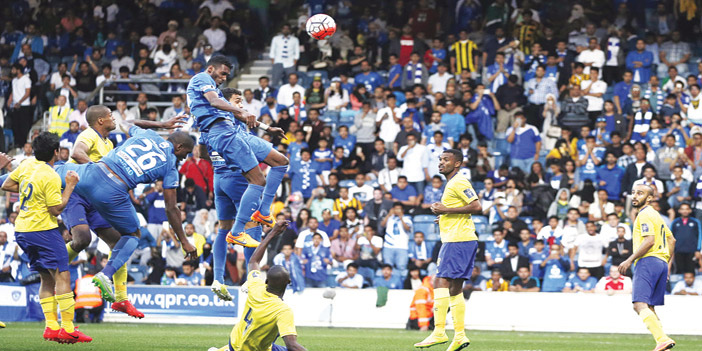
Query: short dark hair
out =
(394, 204)
(228, 92)
(402, 177)
(45, 145)
(352, 265)
(219, 60)
(457, 154)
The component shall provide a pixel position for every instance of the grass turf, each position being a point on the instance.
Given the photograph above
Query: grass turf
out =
(113, 336)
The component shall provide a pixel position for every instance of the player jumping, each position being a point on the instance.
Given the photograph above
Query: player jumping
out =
(143, 158)
(80, 217)
(266, 316)
(38, 235)
(654, 245)
(457, 255)
(241, 151)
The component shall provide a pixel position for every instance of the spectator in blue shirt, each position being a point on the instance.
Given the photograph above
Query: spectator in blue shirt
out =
(555, 268)
(496, 250)
(581, 282)
(404, 193)
(455, 122)
(371, 80)
(688, 233)
(432, 193)
(323, 156)
(621, 91)
(609, 177)
(525, 143)
(71, 134)
(388, 280)
(678, 188)
(536, 258)
(589, 157)
(420, 251)
(288, 259)
(328, 224)
(304, 174)
(394, 73)
(190, 276)
(345, 140)
(639, 61)
(316, 258)
(437, 54)
(296, 146)
(526, 243)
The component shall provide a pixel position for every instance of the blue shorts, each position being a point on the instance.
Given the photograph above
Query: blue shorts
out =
(456, 259)
(108, 195)
(274, 347)
(228, 189)
(260, 147)
(650, 280)
(80, 211)
(45, 249)
(230, 143)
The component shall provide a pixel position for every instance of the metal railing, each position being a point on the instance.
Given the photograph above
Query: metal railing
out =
(101, 92)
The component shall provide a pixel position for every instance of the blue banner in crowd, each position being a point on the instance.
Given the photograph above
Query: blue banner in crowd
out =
(20, 303)
(154, 300)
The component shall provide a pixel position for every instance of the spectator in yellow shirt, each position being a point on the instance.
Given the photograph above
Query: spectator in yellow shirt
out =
(496, 283)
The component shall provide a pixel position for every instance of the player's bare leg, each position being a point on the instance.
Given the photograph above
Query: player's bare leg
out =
(650, 319)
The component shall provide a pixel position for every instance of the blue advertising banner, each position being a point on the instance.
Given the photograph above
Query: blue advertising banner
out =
(155, 300)
(20, 303)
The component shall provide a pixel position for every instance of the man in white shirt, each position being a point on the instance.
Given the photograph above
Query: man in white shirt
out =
(387, 177)
(437, 81)
(122, 59)
(304, 238)
(215, 35)
(412, 156)
(593, 90)
(608, 230)
(430, 159)
(361, 191)
(592, 56)
(350, 279)
(7, 251)
(284, 53)
(217, 7)
(79, 113)
(176, 109)
(285, 93)
(250, 104)
(388, 119)
(590, 250)
(19, 104)
(396, 246)
(688, 286)
(56, 80)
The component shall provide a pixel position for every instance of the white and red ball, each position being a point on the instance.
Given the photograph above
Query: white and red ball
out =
(320, 26)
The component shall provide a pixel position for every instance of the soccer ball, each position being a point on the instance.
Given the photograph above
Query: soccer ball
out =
(320, 26)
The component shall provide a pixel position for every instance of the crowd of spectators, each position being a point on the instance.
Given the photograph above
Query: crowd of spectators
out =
(557, 110)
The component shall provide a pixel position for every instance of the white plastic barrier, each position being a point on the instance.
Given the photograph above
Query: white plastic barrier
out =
(545, 312)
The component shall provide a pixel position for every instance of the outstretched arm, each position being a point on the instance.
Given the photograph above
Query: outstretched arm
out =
(173, 214)
(172, 123)
(261, 249)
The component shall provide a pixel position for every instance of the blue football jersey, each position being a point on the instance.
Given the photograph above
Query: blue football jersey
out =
(144, 158)
(218, 164)
(200, 107)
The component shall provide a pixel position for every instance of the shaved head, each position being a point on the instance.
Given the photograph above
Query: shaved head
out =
(642, 195)
(96, 112)
(278, 279)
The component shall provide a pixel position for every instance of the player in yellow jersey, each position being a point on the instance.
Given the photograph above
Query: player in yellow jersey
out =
(79, 216)
(457, 255)
(653, 251)
(266, 316)
(36, 232)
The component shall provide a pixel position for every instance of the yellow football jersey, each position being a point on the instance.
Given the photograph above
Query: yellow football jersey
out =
(97, 146)
(457, 227)
(40, 188)
(649, 222)
(265, 318)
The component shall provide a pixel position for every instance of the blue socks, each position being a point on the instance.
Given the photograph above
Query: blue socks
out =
(120, 254)
(273, 180)
(219, 253)
(248, 204)
(255, 233)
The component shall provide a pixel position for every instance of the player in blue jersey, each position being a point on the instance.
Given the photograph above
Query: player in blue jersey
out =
(144, 158)
(240, 150)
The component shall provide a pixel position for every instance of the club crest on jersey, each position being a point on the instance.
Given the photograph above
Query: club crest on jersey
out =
(469, 192)
(644, 227)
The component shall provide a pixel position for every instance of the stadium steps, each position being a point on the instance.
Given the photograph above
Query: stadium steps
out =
(260, 67)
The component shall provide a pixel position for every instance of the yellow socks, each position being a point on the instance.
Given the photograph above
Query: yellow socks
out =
(458, 311)
(120, 281)
(48, 305)
(653, 324)
(67, 304)
(71, 253)
(441, 305)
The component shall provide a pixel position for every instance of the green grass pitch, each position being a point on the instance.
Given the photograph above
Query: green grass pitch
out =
(132, 337)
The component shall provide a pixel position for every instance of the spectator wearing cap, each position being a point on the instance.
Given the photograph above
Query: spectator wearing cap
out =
(639, 61)
(525, 143)
(414, 72)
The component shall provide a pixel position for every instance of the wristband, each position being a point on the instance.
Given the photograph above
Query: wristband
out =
(263, 126)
